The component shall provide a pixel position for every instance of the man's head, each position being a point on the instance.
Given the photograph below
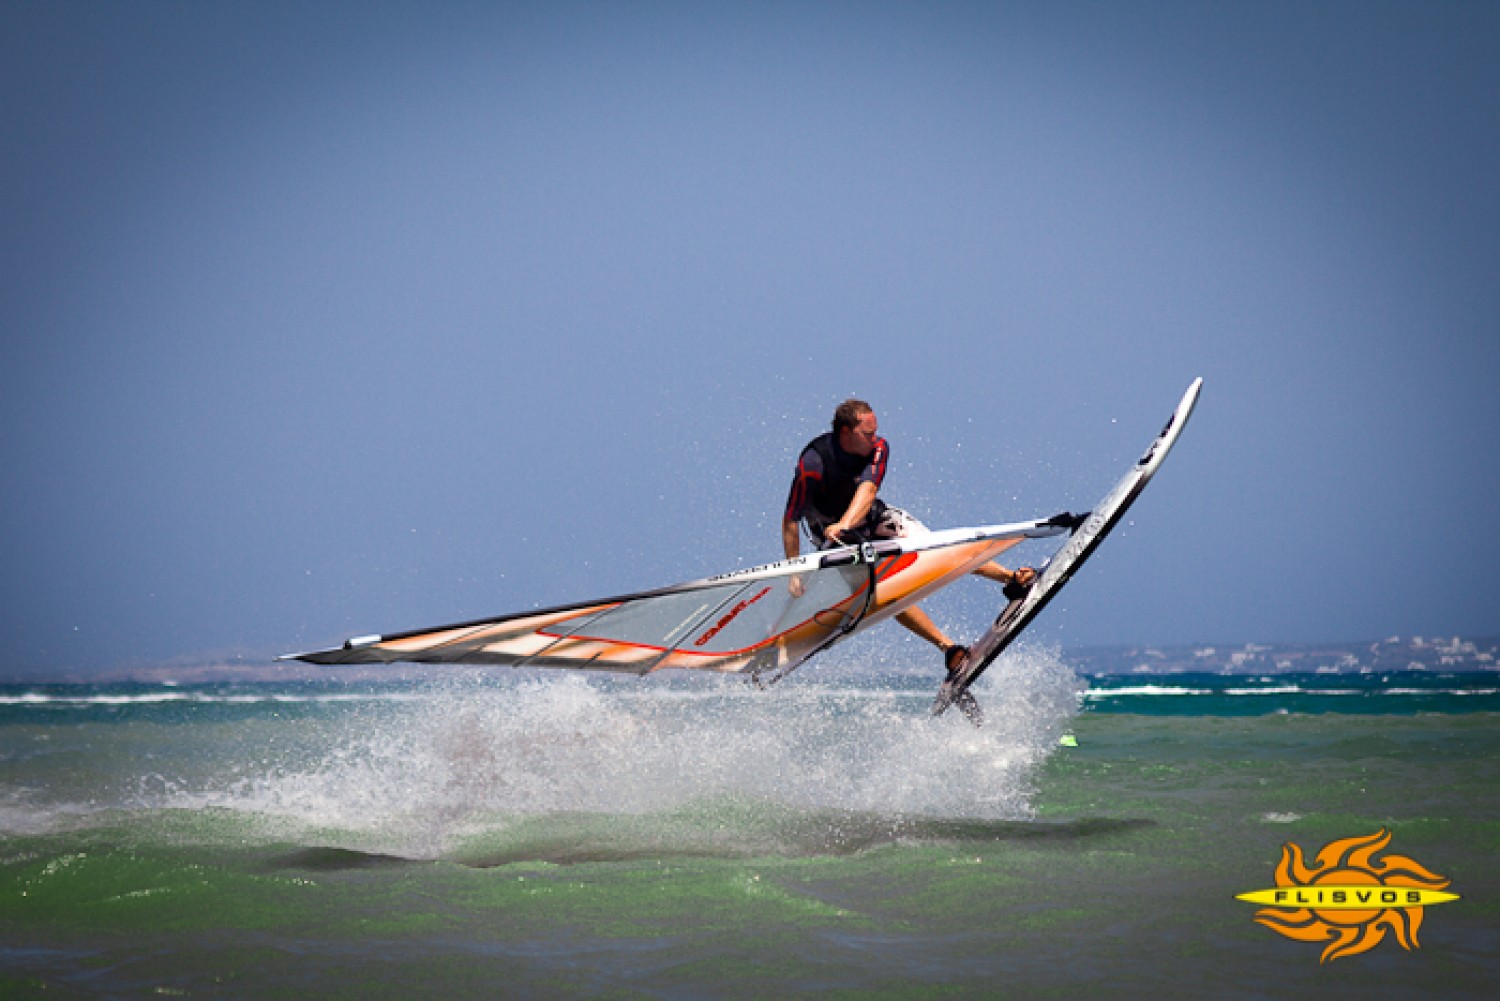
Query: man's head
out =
(854, 427)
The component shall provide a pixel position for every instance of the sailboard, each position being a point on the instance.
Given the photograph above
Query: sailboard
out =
(1088, 532)
(752, 621)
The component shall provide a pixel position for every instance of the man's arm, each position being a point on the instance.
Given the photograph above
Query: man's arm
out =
(791, 539)
(859, 507)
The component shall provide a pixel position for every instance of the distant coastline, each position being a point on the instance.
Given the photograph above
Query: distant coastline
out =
(1415, 653)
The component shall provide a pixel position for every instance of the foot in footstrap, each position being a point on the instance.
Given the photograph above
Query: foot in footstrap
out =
(1020, 584)
(954, 657)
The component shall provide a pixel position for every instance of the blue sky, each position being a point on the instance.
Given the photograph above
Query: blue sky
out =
(323, 319)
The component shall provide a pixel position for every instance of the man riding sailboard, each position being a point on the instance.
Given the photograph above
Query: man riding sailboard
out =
(835, 498)
(870, 562)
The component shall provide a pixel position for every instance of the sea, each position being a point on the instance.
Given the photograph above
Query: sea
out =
(530, 835)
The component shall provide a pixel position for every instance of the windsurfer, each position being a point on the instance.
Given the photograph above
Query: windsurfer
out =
(834, 495)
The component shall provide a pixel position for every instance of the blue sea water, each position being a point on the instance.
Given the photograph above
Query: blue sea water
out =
(564, 836)
(1368, 693)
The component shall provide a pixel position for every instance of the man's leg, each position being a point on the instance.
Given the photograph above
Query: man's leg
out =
(895, 523)
(917, 621)
(997, 573)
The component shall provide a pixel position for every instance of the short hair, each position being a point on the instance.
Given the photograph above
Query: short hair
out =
(850, 413)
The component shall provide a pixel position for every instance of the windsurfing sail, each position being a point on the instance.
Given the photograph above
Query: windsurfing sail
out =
(764, 621)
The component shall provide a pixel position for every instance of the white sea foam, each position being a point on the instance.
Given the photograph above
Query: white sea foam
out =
(418, 778)
(1153, 690)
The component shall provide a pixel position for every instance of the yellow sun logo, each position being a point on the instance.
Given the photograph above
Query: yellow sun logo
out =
(1348, 899)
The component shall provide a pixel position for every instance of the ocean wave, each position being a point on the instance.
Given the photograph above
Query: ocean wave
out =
(1147, 690)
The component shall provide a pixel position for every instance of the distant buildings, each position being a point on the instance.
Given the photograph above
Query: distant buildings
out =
(1392, 654)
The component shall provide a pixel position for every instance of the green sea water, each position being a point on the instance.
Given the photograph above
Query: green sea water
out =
(562, 838)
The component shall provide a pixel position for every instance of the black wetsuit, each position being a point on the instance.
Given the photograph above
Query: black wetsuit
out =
(826, 480)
